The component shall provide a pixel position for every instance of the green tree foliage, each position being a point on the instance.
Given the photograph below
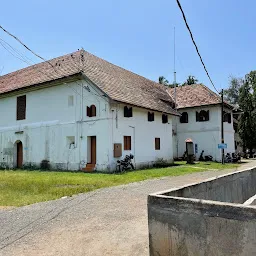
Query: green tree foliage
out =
(164, 81)
(232, 93)
(190, 80)
(247, 122)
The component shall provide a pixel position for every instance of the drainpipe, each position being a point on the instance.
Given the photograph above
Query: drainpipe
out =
(133, 127)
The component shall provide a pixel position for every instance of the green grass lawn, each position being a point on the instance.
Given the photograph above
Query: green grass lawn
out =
(19, 188)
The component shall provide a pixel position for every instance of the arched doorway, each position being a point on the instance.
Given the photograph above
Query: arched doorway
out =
(19, 154)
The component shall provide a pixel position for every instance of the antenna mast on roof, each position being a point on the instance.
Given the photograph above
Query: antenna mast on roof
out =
(174, 70)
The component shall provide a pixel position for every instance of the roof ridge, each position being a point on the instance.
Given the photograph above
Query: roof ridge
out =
(36, 64)
(145, 78)
(117, 82)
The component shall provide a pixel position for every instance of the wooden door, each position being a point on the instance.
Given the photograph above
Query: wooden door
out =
(19, 155)
(93, 149)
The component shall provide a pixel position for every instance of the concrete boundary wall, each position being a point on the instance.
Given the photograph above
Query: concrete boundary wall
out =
(183, 226)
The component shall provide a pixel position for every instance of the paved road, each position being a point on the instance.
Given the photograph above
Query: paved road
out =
(111, 221)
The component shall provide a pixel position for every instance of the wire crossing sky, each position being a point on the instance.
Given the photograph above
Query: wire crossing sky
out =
(136, 35)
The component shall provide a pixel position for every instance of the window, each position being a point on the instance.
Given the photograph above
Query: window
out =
(71, 101)
(202, 116)
(21, 107)
(71, 142)
(91, 111)
(157, 143)
(151, 116)
(127, 143)
(127, 111)
(164, 119)
(227, 117)
(184, 117)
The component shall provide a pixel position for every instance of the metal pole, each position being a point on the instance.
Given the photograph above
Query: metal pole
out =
(222, 126)
(174, 68)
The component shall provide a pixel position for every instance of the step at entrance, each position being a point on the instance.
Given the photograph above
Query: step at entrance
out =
(89, 168)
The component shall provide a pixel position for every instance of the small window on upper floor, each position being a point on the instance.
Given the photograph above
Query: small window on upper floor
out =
(91, 111)
(151, 116)
(184, 117)
(227, 117)
(202, 116)
(21, 108)
(127, 111)
(71, 101)
(164, 119)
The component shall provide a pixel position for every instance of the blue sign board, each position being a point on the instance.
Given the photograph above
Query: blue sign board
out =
(223, 145)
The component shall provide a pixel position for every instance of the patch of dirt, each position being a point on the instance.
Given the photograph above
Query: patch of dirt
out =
(7, 207)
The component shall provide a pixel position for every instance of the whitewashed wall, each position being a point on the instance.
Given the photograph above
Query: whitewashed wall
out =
(51, 122)
(48, 124)
(207, 135)
(143, 134)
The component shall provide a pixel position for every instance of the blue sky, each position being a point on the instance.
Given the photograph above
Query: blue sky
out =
(137, 35)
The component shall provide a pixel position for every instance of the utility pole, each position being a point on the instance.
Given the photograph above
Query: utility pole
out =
(222, 126)
(174, 69)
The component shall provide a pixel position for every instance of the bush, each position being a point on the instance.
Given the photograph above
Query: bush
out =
(45, 165)
(160, 163)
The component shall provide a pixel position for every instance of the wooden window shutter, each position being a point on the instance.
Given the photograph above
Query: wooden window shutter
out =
(164, 119)
(151, 116)
(127, 143)
(157, 143)
(89, 111)
(21, 107)
(130, 112)
(93, 110)
(207, 115)
(197, 116)
(184, 117)
(127, 111)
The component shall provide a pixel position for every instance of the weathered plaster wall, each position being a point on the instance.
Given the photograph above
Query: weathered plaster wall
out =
(180, 225)
(143, 134)
(234, 188)
(194, 227)
(50, 120)
(207, 135)
(51, 123)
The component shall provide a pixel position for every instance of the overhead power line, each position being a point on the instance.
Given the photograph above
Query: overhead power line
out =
(191, 35)
(25, 59)
(17, 39)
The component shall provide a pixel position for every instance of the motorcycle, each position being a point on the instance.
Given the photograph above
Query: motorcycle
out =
(206, 158)
(228, 158)
(125, 164)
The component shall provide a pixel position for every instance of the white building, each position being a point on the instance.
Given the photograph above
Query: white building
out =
(201, 121)
(81, 112)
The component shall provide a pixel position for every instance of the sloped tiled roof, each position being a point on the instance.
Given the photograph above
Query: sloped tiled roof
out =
(119, 84)
(188, 96)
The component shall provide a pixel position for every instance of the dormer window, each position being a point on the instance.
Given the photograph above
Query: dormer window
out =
(91, 111)
(164, 119)
(151, 116)
(202, 116)
(127, 111)
(184, 118)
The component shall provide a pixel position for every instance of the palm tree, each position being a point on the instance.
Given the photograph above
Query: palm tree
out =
(163, 80)
(191, 80)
